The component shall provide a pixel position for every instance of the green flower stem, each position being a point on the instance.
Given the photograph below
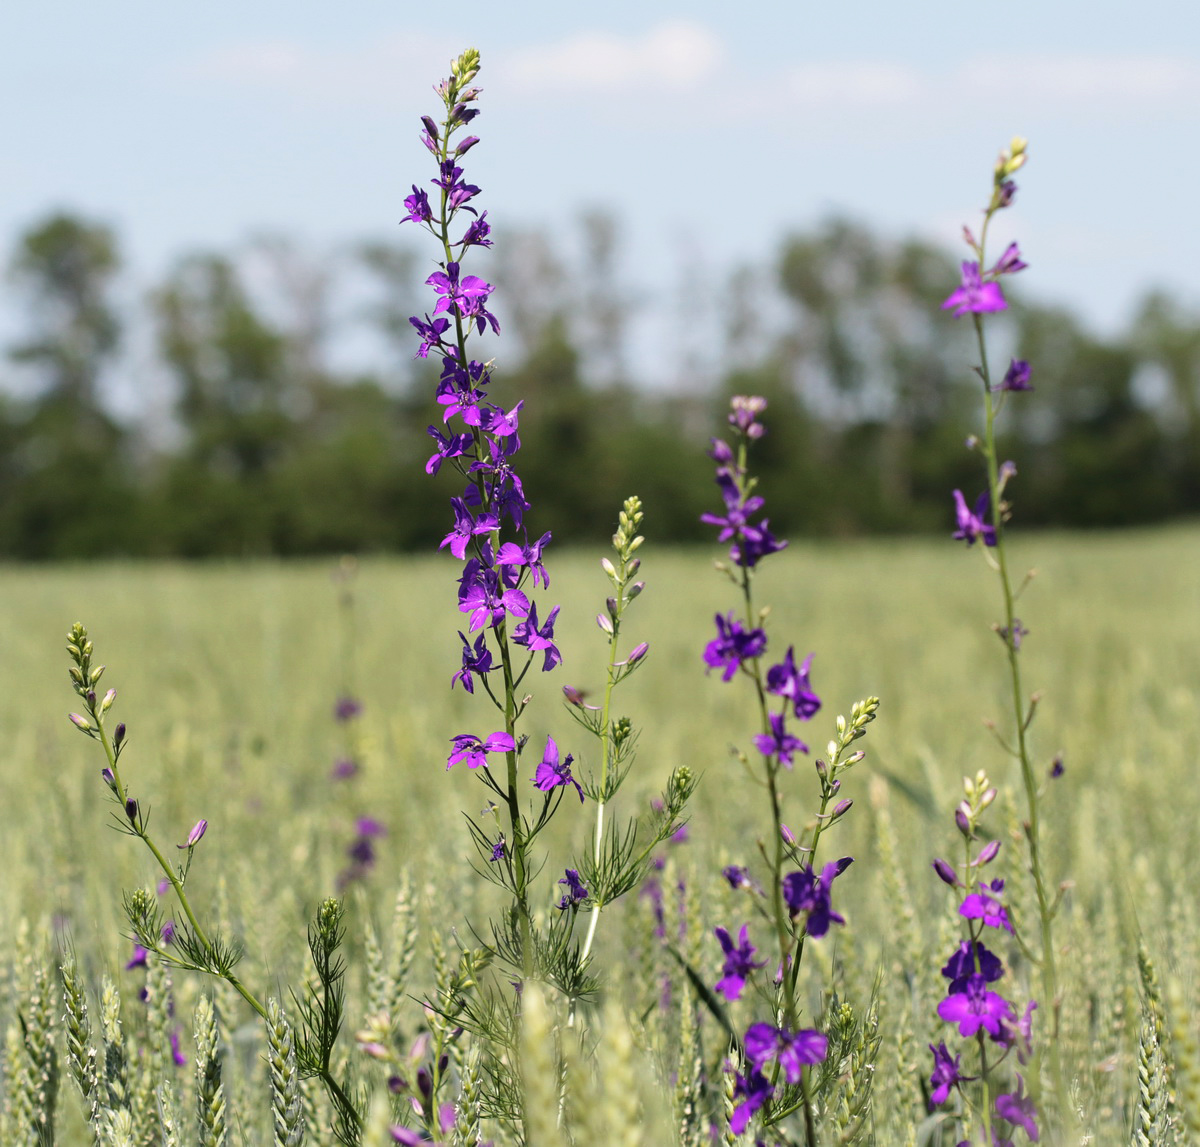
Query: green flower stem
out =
(1032, 830)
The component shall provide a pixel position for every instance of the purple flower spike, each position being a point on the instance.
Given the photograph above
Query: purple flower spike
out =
(739, 962)
(550, 773)
(785, 680)
(972, 525)
(198, 830)
(973, 295)
(469, 748)
(1018, 1109)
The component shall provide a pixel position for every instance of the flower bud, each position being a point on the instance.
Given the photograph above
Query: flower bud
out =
(604, 623)
(119, 735)
(131, 810)
(109, 698)
(986, 799)
(945, 873)
(963, 821)
(842, 807)
(635, 590)
(637, 653)
(1057, 768)
(91, 697)
(789, 837)
(633, 566)
(986, 854)
(80, 722)
(198, 830)
(607, 567)
(610, 604)
(106, 775)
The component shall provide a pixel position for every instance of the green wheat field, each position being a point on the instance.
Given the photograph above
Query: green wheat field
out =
(227, 676)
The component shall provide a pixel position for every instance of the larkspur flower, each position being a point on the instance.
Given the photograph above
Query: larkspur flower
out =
(971, 959)
(499, 849)
(476, 659)
(804, 891)
(785, 680)
(551, 773)
(764, 1043)
(576, 893)
(419, 210)
(1018, 1032)
(1018, 1109)
(739, 962)
(946, 1074)
(138, 959)
(974, 295)
(193, 838)
(1016, 377)
(973, 524)
(1010, 262)
(737, 875)
(984, 904)
(734, 645)
(464, 295)
(779, 742)
(537, 638)
(974, 1006)
(530, 554)
(753, 1090)
(470, 748)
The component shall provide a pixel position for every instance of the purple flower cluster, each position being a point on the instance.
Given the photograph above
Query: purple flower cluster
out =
(970, 1003)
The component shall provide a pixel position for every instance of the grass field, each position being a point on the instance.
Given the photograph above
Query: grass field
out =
(227, 675)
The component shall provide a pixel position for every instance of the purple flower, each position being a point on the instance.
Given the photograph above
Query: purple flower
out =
(467, 747)
(1018, 1109)
(343, 769)
(477, 234)
(510, 554)
(745, 412)
(945, 872)
(739, 962)
(550, 774)
(139, 958)
(946, 1074)
(975, 1007)
(418, 207)
(177, 1055)
(368, 826)
(576, 893)
(737, 875)
(973, 295)
(1010, 262)
(985, 905)
(475, 659)
(431, 331)
(733, 645)
(764, 1043)
(962, 965)
(785, 680)
(757, 543)
(466, 296)
(1020, 1032)
(346, 709)
(528, 634)
(168, 932)
(193, 838)
(779, 742)
(466, 527)
(753, 1091)
(1016, 377)
(803, 891)
(1008, 192)
(973, 525)
(499, 849)
(488, 602)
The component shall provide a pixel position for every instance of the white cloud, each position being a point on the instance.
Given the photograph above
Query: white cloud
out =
(854, 84)
(1090, 79)
(673, 54)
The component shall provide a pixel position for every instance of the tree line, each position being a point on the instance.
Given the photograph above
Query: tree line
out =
(210, 415)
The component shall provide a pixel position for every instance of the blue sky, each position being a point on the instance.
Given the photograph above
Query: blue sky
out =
(710, 128)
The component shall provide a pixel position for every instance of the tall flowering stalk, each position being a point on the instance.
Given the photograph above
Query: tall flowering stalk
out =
(184, 942)
(979, 294)
(795, 904)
